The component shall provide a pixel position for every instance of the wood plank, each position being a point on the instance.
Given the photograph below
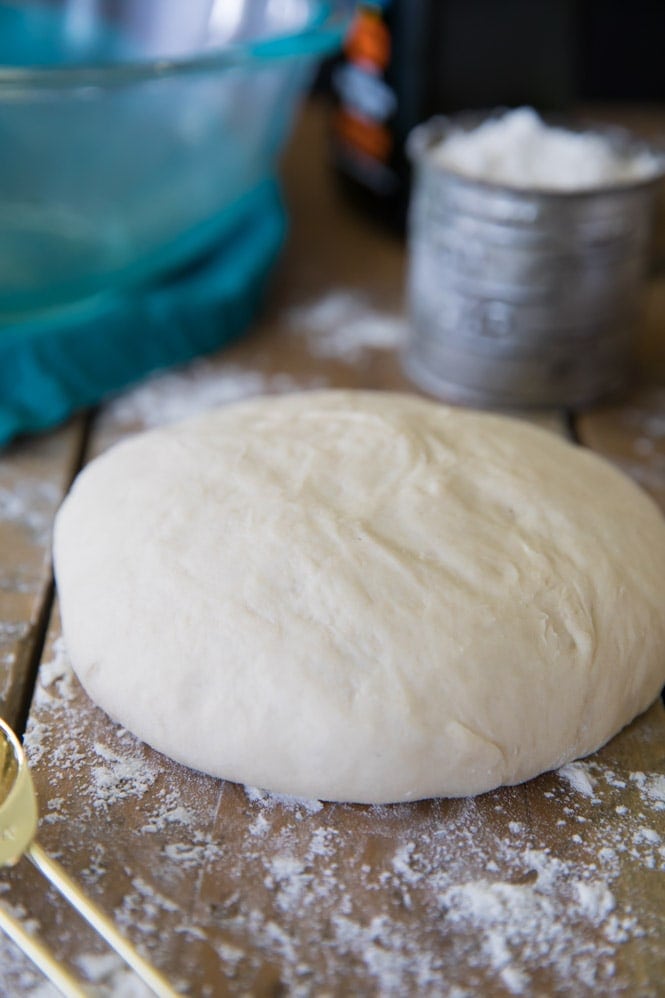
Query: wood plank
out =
(34, 476)
(631, 432)
(632, 436)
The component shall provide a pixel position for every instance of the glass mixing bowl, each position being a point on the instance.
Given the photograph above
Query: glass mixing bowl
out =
(132, 132)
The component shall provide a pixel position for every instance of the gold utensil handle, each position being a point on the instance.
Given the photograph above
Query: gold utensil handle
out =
(99, 921)
(41, 956)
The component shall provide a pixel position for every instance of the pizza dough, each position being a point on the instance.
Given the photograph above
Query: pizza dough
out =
(363, 596)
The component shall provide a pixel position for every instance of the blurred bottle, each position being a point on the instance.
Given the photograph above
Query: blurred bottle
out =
(379, 98)
(405, 60)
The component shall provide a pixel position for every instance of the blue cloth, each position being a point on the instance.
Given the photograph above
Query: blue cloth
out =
(57, 364)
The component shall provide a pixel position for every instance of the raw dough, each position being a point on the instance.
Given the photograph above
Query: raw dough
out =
(363, 596)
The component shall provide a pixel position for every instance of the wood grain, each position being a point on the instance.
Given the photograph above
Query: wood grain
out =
(34, 476)
(631, 433)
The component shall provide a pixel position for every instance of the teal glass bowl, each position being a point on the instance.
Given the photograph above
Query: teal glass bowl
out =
(132, 133)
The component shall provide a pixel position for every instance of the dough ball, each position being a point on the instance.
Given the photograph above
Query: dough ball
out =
(363, 596)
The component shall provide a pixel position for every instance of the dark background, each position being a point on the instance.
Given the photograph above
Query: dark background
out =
(454, 55)
(549, 53)
(545, 52)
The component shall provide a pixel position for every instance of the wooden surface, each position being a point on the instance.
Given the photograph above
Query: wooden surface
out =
(555, 887)
(34, 477)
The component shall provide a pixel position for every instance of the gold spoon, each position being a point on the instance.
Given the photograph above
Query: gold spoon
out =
(18, 826)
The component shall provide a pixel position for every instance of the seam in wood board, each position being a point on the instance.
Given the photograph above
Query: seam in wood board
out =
(42, 625)
(570, 426)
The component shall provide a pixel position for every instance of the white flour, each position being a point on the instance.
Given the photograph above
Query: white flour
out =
(652, 787)
(343, 325)
(29, 504)
(519, 150)
(294, 804)
(303, 887)
(578, 776)
(340, 325)
(111, 976)
(167, 398)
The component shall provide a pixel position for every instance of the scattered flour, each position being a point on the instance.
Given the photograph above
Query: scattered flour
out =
(193, 854)
(415, 898)
(652, 787)
(456, 898)
(298, 804)
(117, 777)
(167, 398)
(519, 150)
(343, 325)
(579, 778)
(13, 630)
(171, 813)
(29, 503)
(644, 428)
(111, 976)
(57, 668)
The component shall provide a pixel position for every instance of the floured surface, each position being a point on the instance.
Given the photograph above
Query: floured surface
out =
(343, 326)
(633, 437)
(34, 476)
(516, 892)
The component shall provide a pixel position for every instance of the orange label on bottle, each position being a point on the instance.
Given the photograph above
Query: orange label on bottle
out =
(368, 41)
(367, 136)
